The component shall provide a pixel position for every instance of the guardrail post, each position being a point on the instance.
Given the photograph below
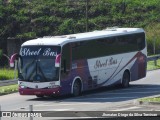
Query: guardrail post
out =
(31, 110)
(155, 62)
(15, 69)
(0, 112)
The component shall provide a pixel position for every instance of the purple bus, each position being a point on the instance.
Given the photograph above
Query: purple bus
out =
(75, 63)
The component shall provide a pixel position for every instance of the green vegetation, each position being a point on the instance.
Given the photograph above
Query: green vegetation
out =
(6, 74)
(153, 99)
(8, 89)
(30, 19)
(152, 33)
(151, 65)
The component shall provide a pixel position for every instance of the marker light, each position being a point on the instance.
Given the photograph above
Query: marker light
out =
(57, 61)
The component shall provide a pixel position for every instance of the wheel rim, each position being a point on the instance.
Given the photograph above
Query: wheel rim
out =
(76, 89)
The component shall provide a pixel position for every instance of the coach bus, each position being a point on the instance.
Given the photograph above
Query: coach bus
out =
(71, 64)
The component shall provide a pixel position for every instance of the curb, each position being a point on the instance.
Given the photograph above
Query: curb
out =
(140, 102)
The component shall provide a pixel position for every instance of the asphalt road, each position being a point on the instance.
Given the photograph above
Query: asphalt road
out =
(108, 99)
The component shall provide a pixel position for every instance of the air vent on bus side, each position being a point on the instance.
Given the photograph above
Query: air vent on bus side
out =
(111, 29)
(63, 36)
(71, 37)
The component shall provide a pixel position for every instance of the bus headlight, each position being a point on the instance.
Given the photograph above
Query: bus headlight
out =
(22, 86)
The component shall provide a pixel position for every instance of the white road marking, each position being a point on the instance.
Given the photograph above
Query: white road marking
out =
(54, 104)
(132, 92)
(128, 89)
(77, 103)
(57, 109)
(124, 109)
(36, 109)
(139, 88)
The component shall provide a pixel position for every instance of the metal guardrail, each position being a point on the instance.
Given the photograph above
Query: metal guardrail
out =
(8, 82)
(11, 82)
(154, 58)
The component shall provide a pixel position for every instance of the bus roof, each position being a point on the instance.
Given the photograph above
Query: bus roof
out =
(61, 40)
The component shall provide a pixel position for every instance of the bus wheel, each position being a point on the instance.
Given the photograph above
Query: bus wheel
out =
(40, 96)
(76, 88)
(125, 79)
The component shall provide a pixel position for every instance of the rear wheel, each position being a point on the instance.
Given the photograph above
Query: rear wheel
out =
(125, 79)
(76, 88)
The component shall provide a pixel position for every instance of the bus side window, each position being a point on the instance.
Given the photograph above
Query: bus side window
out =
(139, 44)
(64, 66)
(65, 62)
(140, 41)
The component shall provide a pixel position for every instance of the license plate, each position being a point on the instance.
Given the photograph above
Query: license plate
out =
(37, 93)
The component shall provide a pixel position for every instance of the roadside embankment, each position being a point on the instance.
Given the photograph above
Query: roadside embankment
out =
(8, 89)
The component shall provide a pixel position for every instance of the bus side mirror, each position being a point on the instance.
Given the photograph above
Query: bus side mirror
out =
(57, 60)
(13, 58)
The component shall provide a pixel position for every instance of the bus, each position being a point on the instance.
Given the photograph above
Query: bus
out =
(71, 64)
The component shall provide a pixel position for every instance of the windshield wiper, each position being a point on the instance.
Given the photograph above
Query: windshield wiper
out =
(42, 73)
(32, 74)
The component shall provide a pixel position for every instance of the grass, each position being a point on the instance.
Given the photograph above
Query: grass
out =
(151, 65)
(8, 89)
(153, 99)
(7, 74)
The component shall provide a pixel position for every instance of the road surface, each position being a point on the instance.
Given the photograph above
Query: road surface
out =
(107, 99)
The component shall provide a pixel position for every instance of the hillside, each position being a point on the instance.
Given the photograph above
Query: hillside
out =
(36, 18)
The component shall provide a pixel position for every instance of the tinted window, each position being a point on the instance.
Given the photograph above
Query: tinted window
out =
(140, 38)
(108, 46)
(66, 57)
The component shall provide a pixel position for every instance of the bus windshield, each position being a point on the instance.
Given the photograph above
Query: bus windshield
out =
(37, 63)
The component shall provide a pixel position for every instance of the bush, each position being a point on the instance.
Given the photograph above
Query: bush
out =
(67, 27)
(26, 19)
(152, 35)
(7, 74)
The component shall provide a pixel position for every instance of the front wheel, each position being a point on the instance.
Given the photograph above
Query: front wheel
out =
(76, 89)
(40, 96)
(125, 80)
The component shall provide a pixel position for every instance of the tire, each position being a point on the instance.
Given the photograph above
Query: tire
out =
(76, 89)
(125, 80)
(40, 96)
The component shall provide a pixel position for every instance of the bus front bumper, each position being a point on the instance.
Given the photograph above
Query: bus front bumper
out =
(47, 92)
